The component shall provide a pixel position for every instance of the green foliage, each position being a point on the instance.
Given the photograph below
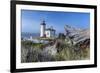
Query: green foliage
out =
(37, 45)
(31, 44)
(26, 43)
(61, 36)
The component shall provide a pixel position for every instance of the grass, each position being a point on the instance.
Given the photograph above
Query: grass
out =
(31, 44)
(65, 52)
(70, 54)
(47, 38)
(38, 45)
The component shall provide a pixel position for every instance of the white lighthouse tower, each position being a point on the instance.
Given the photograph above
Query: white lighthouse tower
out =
(42, 29)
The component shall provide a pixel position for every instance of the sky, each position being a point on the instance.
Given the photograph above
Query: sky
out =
(31, 20)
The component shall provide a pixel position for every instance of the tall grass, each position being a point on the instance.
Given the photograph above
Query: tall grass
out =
(34, 52)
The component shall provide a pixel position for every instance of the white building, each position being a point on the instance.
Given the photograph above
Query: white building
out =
(49, 32)
(42, 29)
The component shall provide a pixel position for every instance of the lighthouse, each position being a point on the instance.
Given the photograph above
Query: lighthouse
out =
(46, 32)
(42, 29)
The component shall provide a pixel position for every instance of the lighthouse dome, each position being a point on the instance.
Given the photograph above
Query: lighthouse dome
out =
(43, 23)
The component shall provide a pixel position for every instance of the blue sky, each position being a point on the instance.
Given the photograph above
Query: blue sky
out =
(31, 20)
